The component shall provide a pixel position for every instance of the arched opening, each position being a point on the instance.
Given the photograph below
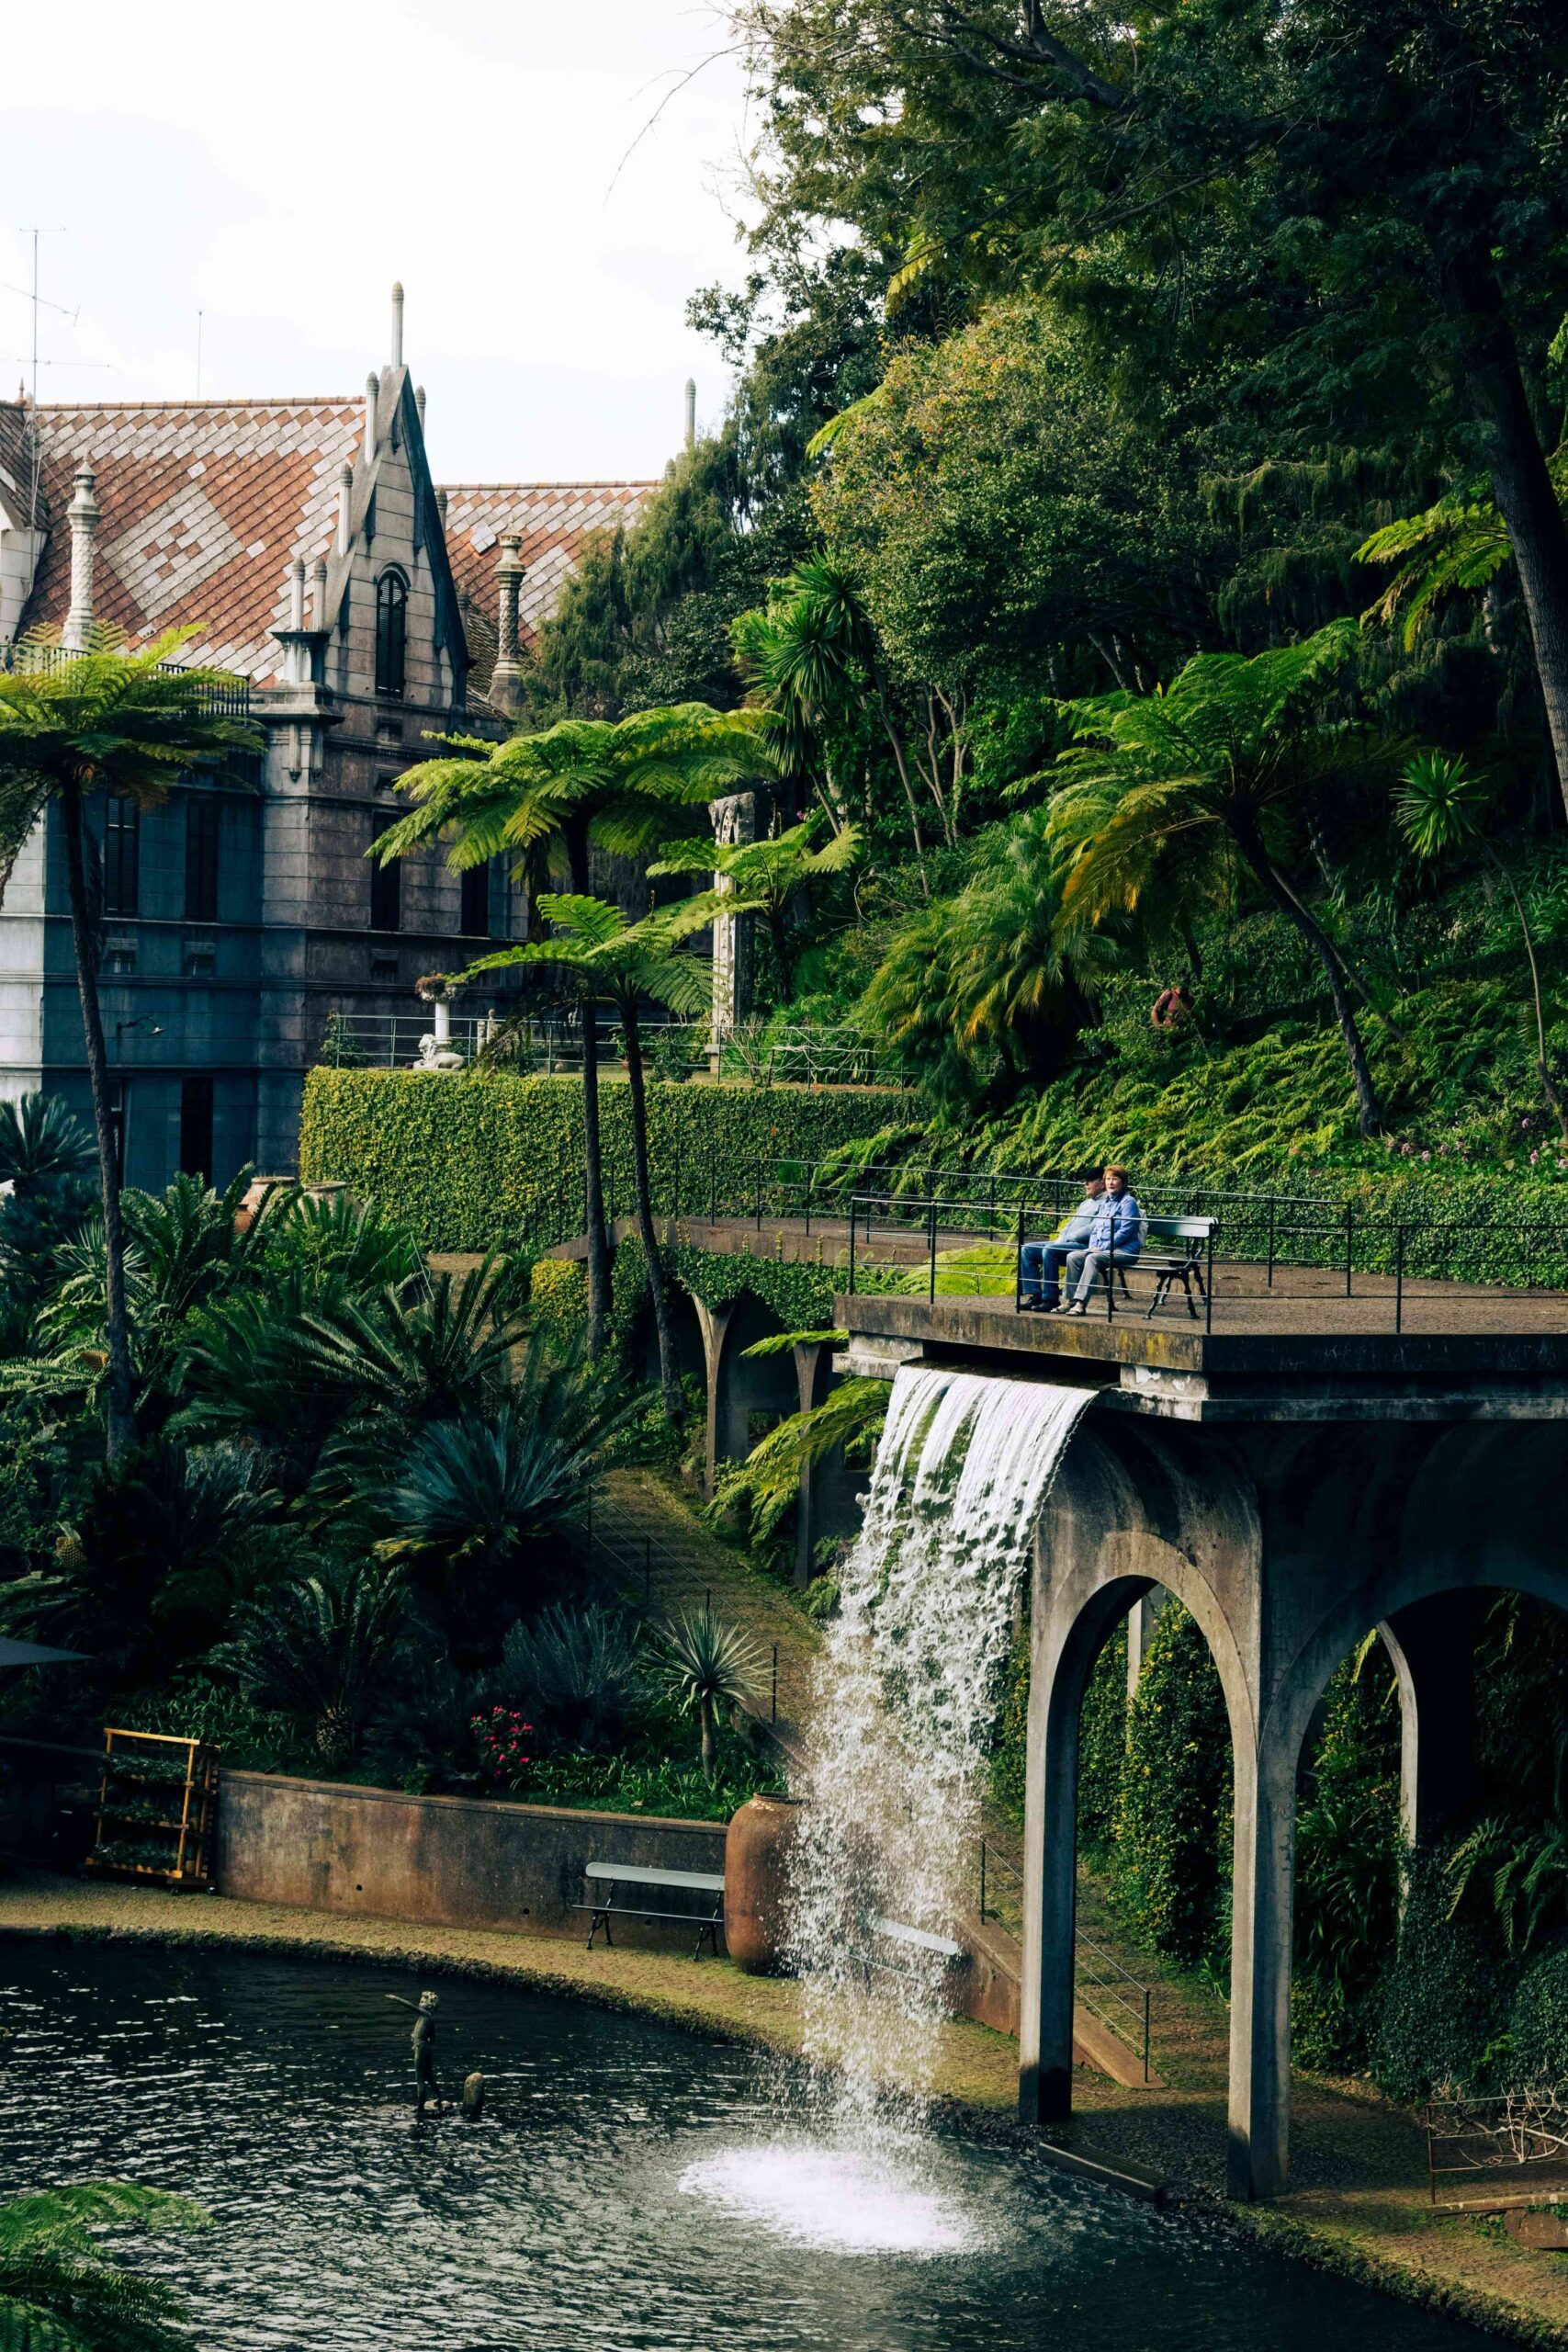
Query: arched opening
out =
(753, 1393)
(392, 632)
(642, 1352)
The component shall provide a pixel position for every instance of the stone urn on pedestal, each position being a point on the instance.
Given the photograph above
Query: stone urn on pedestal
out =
(756, 1879)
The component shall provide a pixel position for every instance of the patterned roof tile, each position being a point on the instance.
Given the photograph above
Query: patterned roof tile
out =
(552, 519)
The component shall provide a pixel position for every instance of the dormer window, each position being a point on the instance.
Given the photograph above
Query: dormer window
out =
(392, 632)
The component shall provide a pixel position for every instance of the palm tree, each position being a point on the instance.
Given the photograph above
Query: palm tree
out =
(708, 1665)
(58, 2291)
(1438, 808)
(761, 877)
(321, 1648)
(114, 724)
(812, 656)
(610, 961)
(1159, 788)
(548, 800)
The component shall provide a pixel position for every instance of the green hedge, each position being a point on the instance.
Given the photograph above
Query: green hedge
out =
(493, 1158)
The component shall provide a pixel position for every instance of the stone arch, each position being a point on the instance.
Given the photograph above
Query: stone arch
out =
(1131, 1510)
(642, 1350)
(739, 1387)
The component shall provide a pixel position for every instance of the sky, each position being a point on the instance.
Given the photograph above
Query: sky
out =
(275, 168)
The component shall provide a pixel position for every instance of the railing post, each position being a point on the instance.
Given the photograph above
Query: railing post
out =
(851, 1244)
(931, 1244)
(1018, 1259)
(981, 1880)
(1110, 1271)
(1273, 1207)
(809, 1173)
(1399, 1277)
(1209, 1280)
(1349, 1215)
(775, 1705)
(758, 1196)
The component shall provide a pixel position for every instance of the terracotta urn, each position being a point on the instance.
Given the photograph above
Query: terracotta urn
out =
(756, 1869)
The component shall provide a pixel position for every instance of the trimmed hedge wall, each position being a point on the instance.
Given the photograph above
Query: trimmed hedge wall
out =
(495, 1157)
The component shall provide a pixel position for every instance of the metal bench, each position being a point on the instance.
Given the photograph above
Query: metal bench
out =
(1182, 1259)
(632, 1876)
(907, 1945)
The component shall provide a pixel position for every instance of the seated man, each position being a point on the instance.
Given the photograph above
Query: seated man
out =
(1116, 1235)
(1040, 1263)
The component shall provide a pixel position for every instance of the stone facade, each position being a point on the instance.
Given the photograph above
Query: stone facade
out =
(306, 543)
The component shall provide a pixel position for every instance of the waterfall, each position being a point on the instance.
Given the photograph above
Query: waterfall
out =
(904, 1696)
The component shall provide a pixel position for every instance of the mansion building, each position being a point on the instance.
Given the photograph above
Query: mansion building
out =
(367, 609)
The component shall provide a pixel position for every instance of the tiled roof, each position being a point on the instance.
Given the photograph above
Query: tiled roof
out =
(204, 504)
(16, 453)
(552, 518)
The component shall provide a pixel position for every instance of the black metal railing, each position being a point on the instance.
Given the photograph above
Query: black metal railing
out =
(1122, 2002)
(228, 699)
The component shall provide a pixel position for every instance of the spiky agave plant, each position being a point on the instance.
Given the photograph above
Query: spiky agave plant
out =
(58, 2292)
(321, 1648)
(708, 1666)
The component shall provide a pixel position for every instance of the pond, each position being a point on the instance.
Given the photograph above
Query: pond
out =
(631, 2188)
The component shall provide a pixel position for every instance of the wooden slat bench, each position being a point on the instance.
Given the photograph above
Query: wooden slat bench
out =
(1173, 1251)
(631, 1876)
(903, 1940)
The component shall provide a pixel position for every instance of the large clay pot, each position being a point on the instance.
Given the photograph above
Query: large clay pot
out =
(756, 1866)
(256, 1193)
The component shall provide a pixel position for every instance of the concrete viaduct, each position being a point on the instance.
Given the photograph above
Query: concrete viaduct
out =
(1296, 1476)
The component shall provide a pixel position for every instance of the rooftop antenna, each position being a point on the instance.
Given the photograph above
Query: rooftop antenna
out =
(39, 302)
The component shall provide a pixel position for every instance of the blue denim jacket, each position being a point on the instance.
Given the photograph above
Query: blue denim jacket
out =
(1122, 1218)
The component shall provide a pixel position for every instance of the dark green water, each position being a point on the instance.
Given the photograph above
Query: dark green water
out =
(278, 2095)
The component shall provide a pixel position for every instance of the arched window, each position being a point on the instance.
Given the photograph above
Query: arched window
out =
(392, 632)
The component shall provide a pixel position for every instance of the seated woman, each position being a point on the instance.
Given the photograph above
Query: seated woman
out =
(1116, 1236)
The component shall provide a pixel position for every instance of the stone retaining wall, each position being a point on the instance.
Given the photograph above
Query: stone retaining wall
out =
(448, 1862)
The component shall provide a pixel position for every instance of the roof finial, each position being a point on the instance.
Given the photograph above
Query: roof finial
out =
(344, 501)
(690, 412)
(83, 514)
(419, 403)
(372, 388)
(398, 326)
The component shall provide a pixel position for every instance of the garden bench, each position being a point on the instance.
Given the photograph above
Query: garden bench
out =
(903, 1940)
(634, 1879)
(1175, 1251)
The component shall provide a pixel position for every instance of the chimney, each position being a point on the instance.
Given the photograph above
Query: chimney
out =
(372, 389)
(419, 403)
(344, 497)
(82, 515)
(396, 326)
(296, 595)
(506, 677)
(318, 594)
(690, 412)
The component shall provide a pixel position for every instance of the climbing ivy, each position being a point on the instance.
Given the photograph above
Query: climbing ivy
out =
(493, 1157)
(1173, 1816)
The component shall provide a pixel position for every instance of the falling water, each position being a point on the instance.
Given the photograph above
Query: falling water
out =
(905, 1696)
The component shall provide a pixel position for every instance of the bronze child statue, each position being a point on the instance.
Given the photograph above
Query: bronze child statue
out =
(423, 2040)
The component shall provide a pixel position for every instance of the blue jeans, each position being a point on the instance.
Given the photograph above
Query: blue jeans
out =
(1040, 1267)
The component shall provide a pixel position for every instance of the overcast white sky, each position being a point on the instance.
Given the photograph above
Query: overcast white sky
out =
(276, 167)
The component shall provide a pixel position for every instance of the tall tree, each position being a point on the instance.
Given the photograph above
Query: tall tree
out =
(1336, 224)
(610, 961)
(622, 785)
(1158, 789)
(103, 724)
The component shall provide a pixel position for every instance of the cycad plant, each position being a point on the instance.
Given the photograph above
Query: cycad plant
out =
(1161, 790)
(575, 1670)
(709, 1668)
(607, 960)
(544, 802)
(58, 2292)
(104, 724)
(322, 1649)
(1440, 806)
